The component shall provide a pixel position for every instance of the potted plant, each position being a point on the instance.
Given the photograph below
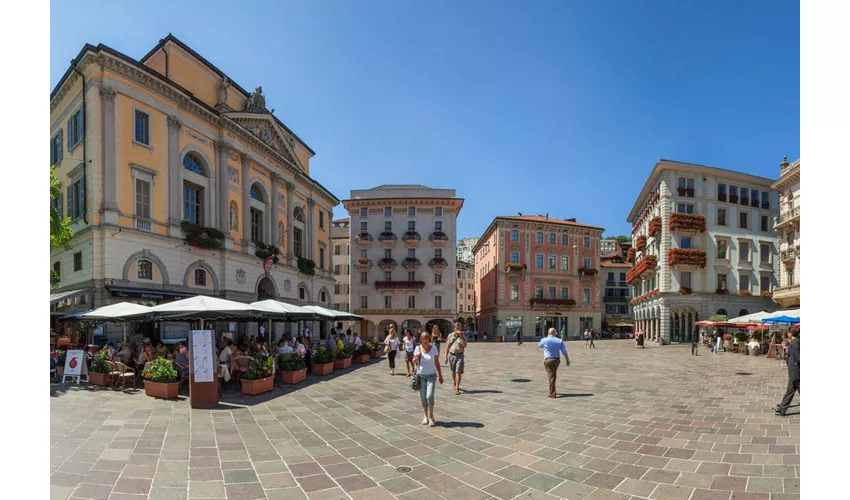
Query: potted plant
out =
(745, 293)
(293, 369)
(375, 349)
(343, 358)
(767, 294)
(727, 342)
(61, 357)
(98, 372)
(722, 291)
(362, 354)
(161, 379)
(260, 376)
(684, 290)
(323, 361)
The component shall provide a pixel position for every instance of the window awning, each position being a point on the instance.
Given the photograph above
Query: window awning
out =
(146, 293)
(56, 297)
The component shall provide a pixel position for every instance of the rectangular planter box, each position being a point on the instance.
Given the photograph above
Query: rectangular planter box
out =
(361, 358)
(259, 386)
(98, 379)
(376, 354)
(293, 378)
(162, 390)
(341, 364)
(325, 369)
(497, 339)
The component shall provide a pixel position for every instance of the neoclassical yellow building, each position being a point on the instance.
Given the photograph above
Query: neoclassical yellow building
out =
(174, 176)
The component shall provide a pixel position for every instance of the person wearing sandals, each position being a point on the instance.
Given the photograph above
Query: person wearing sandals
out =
(391, 347)
(454, 357)
(427, 359)
(436, 337)
(409, 345)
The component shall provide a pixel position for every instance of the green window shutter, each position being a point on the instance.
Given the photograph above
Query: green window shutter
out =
(70, 200)
(70, 133)
(81, 125)
(60, 146)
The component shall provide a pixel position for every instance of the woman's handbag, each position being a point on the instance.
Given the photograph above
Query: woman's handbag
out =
(416, 383)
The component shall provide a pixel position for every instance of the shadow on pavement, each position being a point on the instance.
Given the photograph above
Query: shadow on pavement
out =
(450, 425)
(583, 395)
(521, 380)
(480, 391)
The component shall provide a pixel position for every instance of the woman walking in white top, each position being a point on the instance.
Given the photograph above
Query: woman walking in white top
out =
(428, 359)
(391, 343)
(409, 346)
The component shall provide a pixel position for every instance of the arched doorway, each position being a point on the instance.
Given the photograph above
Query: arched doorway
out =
(413, 325)
(384, 327)
(444, 326)
(743, 312)
(265, 289)
(682, 320)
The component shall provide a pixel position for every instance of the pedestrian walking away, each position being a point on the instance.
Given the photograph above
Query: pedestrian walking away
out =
(436, 337)
(592, 337)
(454, 357)
(639, 340)
(695, 340)
(427, 359)
(553, 347)
(391, 347)
(519, 336)
(587, 338)
(409, 342)
(793, 359)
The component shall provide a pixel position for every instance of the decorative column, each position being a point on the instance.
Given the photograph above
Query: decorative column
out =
(664, 325)
(290, 230)
(663, 270)
(246, 202)
(311, 230)
(108, 176)
(174, 188)
(329, 251)
(274, 208)
(221, 157)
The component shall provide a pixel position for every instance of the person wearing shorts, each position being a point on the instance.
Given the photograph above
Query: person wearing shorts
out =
(455, 346)
(409, 342)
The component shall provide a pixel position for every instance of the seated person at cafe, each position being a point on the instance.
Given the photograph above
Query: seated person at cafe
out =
(110, 351)
(125, 354)
(753, 343)
(299, 348)
(284, 348)
(182, 359)
(357, 341)
(226, 353)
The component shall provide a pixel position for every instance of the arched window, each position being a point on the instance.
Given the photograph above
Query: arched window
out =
(323, 297)
(193, 164)
(298, 214)
(743, 312)
(722, 312)
(302, 293)
(200, 277)
(145, 270)
(256, 193)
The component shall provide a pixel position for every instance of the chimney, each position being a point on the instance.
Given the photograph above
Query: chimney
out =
(547, 216)
(571, 220)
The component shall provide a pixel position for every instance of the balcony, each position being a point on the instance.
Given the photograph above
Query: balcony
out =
(790, 253)
(786, 293)
(439, 263)
(755, 202)
(587, 271)
(721, 196)
(411, 238)
(438, 237)
(514, 268)
(387, 263)
(610, 283)
(363, 263)
(363, 238)
(687, 192)
(687, 223)
(549, 303)
(733, 198)
(411, 263)
(399, 285)
(765, 205)
(387, 238)
(791, 216)
(686, 257)
(745, 200)
(615, 299)
(646, 264)
(143, 224)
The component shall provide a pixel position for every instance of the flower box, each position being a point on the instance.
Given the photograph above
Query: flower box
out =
(755, 202)
(648, 263)
(745, 293)
(655, 227)
(733, 198)
(767, 294)
(640, 243)
(514, 267)
(438, 262)
(98, 379)
(630, 255)
(167, 390)
(721, 196)
(293, 378)
(689, 192)
(721, 291)
(552, 302)
(376, 354)
(685, 290)
(410, 263)
(438, 236)
(361, 358)
(687, 222)
(686, 257)
(387, 236)
(342, 364)
(323, 369)
(259, 386)
(411, 236)
(387, 262)
(745, 201)
(363, 237)
(681, 191)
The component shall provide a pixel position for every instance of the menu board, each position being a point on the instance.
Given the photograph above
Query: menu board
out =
(203, 356)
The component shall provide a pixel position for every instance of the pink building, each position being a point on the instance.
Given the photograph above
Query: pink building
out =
(533, 272)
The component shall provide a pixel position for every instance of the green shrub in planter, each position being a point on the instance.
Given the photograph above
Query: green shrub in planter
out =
(364, 349)
(98, 364)
(261, 366)
(344, 353)
(322, 356)
(293, 363)
(160, 371)
(61, 357)
(740, 337)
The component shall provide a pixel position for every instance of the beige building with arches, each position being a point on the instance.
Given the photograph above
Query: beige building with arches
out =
(174, 177)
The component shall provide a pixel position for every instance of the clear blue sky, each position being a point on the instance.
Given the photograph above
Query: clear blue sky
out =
(558, 107)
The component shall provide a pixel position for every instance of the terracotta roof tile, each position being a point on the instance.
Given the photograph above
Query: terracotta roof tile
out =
(615, 264)
(549, 220)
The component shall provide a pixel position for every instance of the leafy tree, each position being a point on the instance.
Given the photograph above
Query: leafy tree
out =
(718, 318)
(60, 227)
(620, 238)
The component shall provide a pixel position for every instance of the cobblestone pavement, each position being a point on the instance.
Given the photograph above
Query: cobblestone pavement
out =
(655, 423)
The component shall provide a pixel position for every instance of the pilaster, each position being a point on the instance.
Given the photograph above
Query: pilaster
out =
(663, 270)
(273, 232)
(246, 203)
(290, 239)
(110, 205)
(174, 188)
(221, 157)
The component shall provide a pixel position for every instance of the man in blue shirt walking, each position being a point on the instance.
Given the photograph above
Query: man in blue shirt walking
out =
(553, 347)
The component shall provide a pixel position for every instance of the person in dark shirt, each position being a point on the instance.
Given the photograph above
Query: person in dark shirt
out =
(793, 359)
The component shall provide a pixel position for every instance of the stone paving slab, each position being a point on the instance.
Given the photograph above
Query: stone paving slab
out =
(656, 423)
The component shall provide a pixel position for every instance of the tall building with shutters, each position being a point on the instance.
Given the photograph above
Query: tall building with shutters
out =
(175, 177)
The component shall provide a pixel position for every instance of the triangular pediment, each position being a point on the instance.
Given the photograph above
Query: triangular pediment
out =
(264, 127)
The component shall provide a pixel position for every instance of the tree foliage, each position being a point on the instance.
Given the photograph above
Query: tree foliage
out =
(60, 227)
(718, 318)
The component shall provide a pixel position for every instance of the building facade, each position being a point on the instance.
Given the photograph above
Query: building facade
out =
(617, 293)
(403, 273)
(465, 292)
(787, 225)
(537, 272)
(340, 232)
(703, 245)
(464, 249)
(608, 245)
(174, 177)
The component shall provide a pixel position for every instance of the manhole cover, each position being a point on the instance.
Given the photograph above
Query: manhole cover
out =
(404, 469)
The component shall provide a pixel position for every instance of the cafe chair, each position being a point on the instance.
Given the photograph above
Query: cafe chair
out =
(124, 373)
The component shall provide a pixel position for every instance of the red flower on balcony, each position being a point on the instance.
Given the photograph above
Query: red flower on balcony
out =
(396, 285)
(689, 192)
(363, 237)
(438, 236)
(721, 291)
(745, 293)
(630, 255)
(755, 202)
(552, 302)
(640, 243)
(647, 263)
(655, 226)
(516, 267)
(411, 235)
(733, 198)
(387, 262)
(410, 263)
(767, 294)
(686, 257)
(438, 262)
(387, 236)
(647, 295)
(684, 290)
(645, 213)
(721, 196)
(745, 200)
(687, 222)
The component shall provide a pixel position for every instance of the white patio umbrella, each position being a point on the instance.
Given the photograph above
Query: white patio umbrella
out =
(201, 307)
(332, 314)
(284, 311)
(112, 313)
